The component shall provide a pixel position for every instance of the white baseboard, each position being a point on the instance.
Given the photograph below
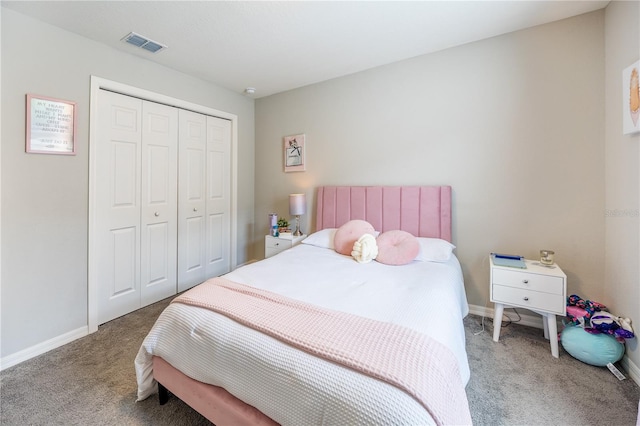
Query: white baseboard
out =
(246, 263)
(631, 369)
(531, 319)
(40, 348)
(527, 317)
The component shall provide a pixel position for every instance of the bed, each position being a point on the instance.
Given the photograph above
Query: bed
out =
(237, 374)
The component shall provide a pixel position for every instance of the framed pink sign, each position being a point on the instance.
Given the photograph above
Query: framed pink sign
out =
(51, 125)
(294, 153)
(631, 99)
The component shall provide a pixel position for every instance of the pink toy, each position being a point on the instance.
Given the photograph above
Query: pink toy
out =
(578, 313)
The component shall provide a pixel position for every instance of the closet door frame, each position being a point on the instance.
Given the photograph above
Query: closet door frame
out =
(98, 83)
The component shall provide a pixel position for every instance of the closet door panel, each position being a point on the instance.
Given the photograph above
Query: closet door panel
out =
(194, 175)
(215, 219)
(118, 209)
(123, 268)
(195, 229)
(159, 217)
(191, 199)
(218, 196)
(158, 270)
(124, 178)
(215, 233)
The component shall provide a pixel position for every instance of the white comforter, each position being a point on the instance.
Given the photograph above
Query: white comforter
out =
(291, 386)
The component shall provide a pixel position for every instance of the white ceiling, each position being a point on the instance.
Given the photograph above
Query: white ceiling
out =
(276, 46)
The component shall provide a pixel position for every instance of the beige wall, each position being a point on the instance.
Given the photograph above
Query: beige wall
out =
(622, 276)
(514, 123)
(45, 197)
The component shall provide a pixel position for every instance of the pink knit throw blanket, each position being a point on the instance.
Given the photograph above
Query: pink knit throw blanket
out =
(411, 361)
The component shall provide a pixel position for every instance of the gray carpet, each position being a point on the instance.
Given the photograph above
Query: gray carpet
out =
(516, 381)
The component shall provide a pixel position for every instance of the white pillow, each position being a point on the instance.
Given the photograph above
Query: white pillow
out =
(322, 238)
(434, 250)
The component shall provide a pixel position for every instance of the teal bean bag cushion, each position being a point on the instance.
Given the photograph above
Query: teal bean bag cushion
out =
(594, 349)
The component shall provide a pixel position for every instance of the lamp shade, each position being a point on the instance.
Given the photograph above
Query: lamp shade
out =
(297, 204)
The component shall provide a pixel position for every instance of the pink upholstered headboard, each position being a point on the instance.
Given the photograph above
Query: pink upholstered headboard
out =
(424, 211)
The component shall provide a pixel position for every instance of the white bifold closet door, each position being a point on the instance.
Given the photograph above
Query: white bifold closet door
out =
(163, 200)
(136, 203)
(204, 198)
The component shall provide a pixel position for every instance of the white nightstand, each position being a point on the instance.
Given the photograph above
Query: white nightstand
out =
(538, 288)
(274, 245)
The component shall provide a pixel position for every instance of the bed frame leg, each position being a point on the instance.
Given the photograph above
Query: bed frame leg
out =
(163, 394)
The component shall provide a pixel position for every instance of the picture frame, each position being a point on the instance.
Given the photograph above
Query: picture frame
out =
(51, 125)
(631, 99)
(294, 153)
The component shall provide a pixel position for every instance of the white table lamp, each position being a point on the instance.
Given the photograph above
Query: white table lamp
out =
(297, 207)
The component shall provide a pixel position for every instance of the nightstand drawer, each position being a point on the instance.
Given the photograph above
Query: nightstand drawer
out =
(277, 243)
(527, 281)
(529, 299)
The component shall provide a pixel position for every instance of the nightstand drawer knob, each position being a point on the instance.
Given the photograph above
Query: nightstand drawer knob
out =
(526, 299)
(525, 281)
(277, 244)
(156, 214)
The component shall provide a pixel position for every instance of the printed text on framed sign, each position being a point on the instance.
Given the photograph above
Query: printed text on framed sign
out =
(51, 125)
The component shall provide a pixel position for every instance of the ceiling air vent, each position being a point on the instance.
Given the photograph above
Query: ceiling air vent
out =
(143, 42)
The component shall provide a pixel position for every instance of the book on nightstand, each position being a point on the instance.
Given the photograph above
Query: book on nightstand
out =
(510, 260)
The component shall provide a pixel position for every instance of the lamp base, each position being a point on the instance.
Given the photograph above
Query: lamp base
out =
(297, 232)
